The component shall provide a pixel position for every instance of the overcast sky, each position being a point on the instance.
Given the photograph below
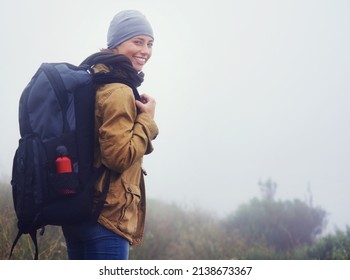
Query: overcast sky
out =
(246, 90)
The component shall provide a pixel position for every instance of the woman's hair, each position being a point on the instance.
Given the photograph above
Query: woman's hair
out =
(119, 65)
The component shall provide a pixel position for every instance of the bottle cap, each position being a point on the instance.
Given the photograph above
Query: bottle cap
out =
(61, 151)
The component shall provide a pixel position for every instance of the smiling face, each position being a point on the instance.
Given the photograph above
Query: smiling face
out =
(138, 49)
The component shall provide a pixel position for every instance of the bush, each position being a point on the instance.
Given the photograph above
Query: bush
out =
(332, 247)
(278, 225)
(172, 233)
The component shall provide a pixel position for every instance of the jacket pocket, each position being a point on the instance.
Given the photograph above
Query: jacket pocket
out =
(129, 216)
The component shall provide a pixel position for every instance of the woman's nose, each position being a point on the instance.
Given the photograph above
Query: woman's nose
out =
(145, 49)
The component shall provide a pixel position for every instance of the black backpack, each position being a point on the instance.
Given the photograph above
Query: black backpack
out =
(56, 120)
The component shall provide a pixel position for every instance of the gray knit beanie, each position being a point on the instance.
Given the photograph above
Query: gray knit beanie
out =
(125, 25)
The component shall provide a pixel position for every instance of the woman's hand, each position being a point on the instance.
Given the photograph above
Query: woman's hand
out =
(147, 105)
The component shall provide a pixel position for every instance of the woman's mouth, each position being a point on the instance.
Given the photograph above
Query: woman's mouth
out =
(140, 60)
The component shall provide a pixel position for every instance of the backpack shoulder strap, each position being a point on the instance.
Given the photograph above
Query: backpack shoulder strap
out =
(34, 239)
(103, 195)
(57, 83)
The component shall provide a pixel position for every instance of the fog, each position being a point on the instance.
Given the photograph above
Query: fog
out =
(246, 91)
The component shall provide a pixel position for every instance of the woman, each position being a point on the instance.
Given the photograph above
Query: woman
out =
(124, 131)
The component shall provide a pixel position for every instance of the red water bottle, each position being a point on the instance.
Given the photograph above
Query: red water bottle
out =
(63, 162)
(64, 166)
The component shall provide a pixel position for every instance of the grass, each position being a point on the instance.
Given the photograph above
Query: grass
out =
(51, 244)
(173, 233)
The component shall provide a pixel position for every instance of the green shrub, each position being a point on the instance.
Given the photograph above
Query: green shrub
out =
(332, 247)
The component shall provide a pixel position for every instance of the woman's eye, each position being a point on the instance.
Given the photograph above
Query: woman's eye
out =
(139, 43)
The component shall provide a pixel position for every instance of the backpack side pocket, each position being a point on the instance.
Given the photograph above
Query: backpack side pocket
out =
(28, 182)
(62, 184)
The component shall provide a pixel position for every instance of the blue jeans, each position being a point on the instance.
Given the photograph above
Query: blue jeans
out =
(92, 241)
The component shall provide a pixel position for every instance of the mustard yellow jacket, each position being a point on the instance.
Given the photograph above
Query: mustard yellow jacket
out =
(123, 138)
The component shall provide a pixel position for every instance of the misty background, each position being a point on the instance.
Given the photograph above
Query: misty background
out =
(246, 91)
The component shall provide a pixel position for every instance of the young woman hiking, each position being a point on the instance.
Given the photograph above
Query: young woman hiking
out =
(124, 132)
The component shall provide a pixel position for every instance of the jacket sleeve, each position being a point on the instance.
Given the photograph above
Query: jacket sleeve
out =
(124, 136)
